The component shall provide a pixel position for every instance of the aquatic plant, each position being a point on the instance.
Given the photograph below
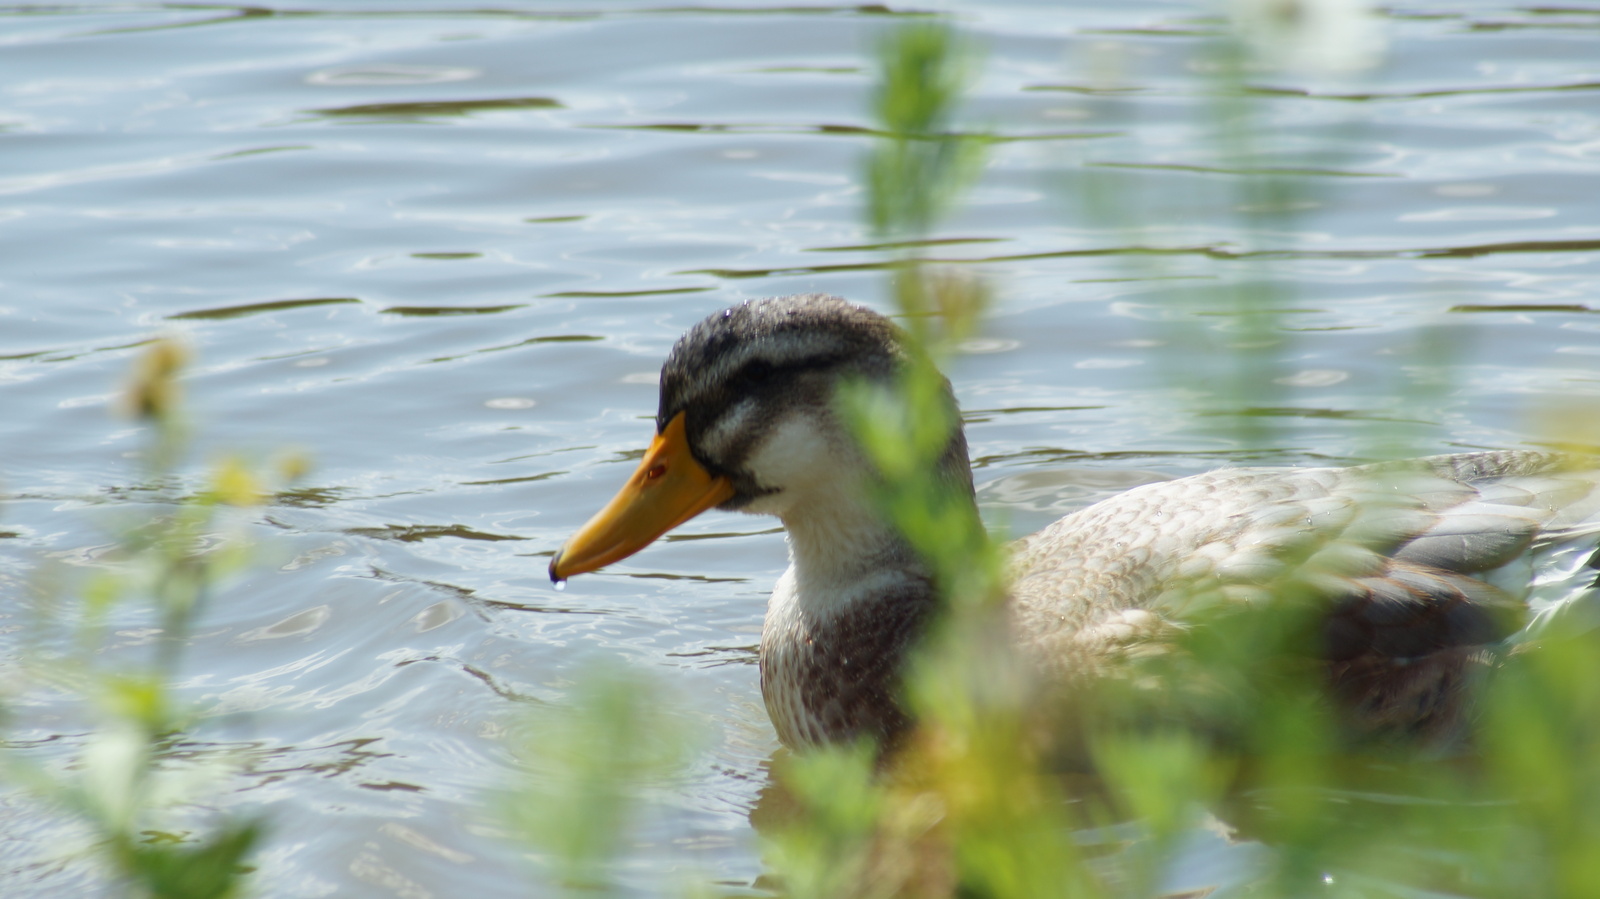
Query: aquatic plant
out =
(136, 785)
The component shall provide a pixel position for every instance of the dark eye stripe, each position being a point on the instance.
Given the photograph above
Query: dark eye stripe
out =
(713, 401)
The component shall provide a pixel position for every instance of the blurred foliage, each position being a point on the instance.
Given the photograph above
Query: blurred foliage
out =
(588, 764)
(128, 778)
(916, 173)
(966, 809)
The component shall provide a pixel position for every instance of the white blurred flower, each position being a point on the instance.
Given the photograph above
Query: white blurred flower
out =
(112, 761)
(1310, 36)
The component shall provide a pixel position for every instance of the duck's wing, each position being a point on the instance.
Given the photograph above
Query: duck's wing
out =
(1406, 558)
(1417, 570)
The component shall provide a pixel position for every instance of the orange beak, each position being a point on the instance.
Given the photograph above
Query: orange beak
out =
(667, 489)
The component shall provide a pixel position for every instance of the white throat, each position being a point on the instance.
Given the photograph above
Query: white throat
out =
(841, 550)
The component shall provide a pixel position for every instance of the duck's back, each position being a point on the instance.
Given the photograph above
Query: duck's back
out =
(1435, 557)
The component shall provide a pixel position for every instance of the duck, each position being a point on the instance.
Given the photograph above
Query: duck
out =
(1421, 570)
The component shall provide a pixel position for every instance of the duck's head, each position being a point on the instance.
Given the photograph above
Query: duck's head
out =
(747, 422)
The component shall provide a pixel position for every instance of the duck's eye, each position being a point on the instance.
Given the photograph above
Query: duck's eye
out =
(756, 372)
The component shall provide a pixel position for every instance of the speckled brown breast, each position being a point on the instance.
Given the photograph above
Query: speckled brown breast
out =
(836, 678)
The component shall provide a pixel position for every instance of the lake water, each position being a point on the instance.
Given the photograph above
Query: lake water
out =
(442, 248)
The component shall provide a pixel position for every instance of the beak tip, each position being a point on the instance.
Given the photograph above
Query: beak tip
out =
(555, 569)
